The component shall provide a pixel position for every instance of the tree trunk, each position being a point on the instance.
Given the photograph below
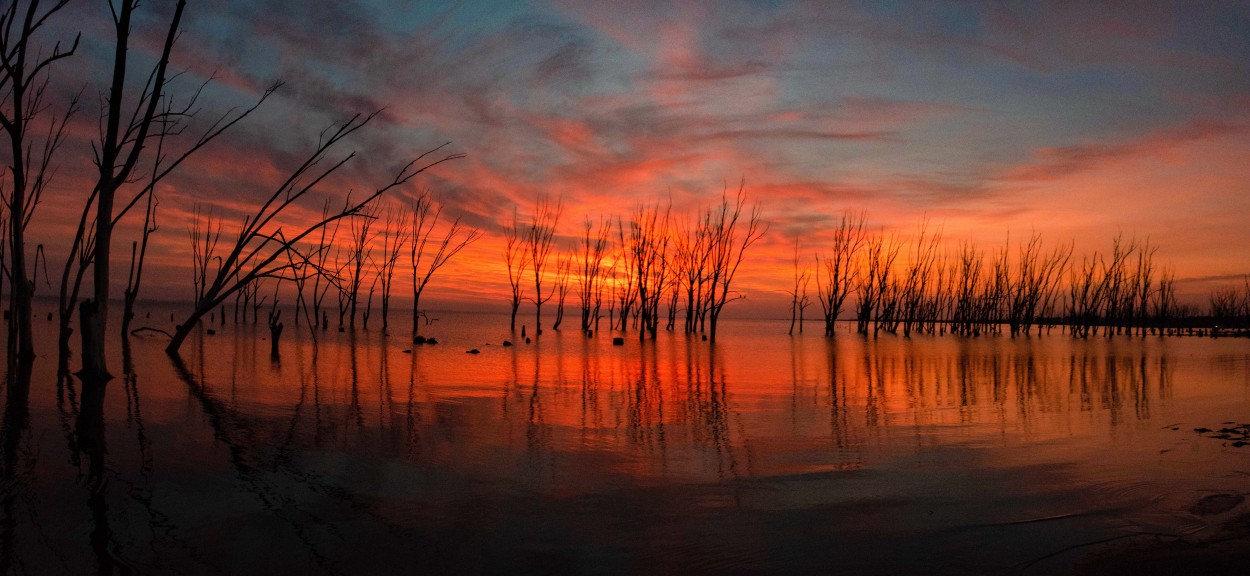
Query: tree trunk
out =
(91, 328)
(275, 333)
(181, 332)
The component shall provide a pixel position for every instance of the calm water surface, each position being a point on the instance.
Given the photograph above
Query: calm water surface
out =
(763, 453)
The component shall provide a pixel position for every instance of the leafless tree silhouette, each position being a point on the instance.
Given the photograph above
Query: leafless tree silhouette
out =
(517, 259)
(646, 254)
(730, 237)
(262, 241)
(428, 251)
(595, 244)
(840, 272)
(539, 242)
(396, 234)
(34, 138)
(798, 293)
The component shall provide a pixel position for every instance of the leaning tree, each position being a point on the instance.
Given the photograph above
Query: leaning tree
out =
(263, 242)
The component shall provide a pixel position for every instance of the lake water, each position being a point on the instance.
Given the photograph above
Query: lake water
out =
(762, 453)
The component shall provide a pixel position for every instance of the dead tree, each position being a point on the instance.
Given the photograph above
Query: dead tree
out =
(539, 242)
(564, 270)
(625, 292)
(428, 251)
(204, 233)
(840, 272)
(124, 137)
(138, 253)
(262, 241)
(126, 129)
(918, 277)
(25, 64)
(1163, 304)
(595, 242)
(798, 293)
(692, 246)
(729, 237)
(324, 278)
(647, 256)
(301, 270)
(361, 253)
(517, 260)
(395, 236)
(867, 290)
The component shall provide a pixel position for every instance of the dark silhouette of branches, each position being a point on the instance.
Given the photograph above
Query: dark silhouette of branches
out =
(840, 272)
(360, 254)
(729, 239)
(25, 65)
(517, 260)
(539, 242)
(647, 256)
(798, 293)
(596, 241)
(125, 131)
(564, 272)
(262, 240)
(430, 251)
(693, 246)
(396, 234)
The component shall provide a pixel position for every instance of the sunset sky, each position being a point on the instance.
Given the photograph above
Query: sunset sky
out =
(1076, 120)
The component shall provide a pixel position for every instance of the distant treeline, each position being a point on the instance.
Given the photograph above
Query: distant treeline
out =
(1017, 288)
(654, 270)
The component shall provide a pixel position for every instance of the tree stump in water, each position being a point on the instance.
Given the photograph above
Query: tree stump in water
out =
(275, 332)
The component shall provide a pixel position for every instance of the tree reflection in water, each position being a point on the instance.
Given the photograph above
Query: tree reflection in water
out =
(569, 453)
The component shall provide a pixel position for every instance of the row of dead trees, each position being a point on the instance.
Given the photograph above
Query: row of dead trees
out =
(151, 121)
(642, 272)
(1230, 306)
(351, 266)
(915, 286)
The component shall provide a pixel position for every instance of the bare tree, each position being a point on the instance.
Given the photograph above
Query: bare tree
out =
(262, 240)
(360, 254)
(395, 236)
(564, 270)
(517, 260)
(126, 128)
(840, 273)
(625, 292)
(916, 287)
(539, 242)
(123, 139)
(204, 233)
(798, 294)
(876, 260)
(595, 242)
(320, 259)
(692, 248)
(428, 252)
(730, 238)
(24, 76)
(647, 255)
(1164, 300)
(138, 253)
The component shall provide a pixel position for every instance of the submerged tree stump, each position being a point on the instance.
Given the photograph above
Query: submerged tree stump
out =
(275, 332)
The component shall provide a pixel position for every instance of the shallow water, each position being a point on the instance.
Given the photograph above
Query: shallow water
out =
(762, 453)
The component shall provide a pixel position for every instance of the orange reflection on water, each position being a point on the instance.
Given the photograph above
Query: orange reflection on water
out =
(759, 453)
(753, 405)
